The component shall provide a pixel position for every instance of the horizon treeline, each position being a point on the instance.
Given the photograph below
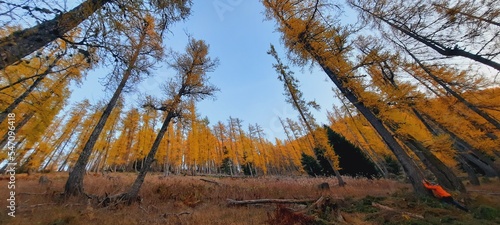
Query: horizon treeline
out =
(194, 145)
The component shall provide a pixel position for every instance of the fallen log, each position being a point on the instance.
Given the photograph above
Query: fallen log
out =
(396, 210)
(266, 201)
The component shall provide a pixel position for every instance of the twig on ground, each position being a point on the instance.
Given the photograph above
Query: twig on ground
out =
(143, 209)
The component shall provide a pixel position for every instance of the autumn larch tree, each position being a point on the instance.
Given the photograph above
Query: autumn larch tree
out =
(120, 152)
(191, 82)
(294, 96)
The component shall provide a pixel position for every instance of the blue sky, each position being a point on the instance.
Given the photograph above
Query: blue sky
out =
(239, 36)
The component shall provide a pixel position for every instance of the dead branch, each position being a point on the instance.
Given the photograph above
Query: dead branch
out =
(210, 181)
(264, 201)
(315, 204)
(396, 210)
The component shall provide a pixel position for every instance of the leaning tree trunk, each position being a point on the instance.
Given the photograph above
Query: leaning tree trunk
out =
(443, 173)
(307, 123)
(487, 169)
(471, 174)
(74, 184)
(31, 88)
(134, 189)
(22, 43)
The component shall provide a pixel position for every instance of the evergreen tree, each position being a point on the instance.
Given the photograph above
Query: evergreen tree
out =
(310, 165)
(352, 160)
(227, 163)
(324, 164)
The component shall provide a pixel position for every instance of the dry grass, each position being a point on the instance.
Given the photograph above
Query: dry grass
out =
(189, 200)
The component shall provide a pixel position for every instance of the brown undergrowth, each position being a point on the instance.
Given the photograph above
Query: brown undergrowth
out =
(190, 200)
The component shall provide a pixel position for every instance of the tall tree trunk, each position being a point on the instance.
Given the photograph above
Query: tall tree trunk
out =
(74, 184)
(59, 147)
(443, 173)
(57, 151)
(22, 43)
(487, 169)
(471, 174)
(65, 161)
(136, 186)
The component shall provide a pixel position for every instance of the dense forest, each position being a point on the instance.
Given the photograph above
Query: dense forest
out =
(417, 82)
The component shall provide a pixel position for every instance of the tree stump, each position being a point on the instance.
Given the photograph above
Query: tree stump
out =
(324, 186)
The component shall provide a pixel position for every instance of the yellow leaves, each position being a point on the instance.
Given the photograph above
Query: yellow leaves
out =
(441, 146)
(73, 72)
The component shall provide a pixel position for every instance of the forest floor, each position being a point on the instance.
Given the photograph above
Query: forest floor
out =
(190, 200)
